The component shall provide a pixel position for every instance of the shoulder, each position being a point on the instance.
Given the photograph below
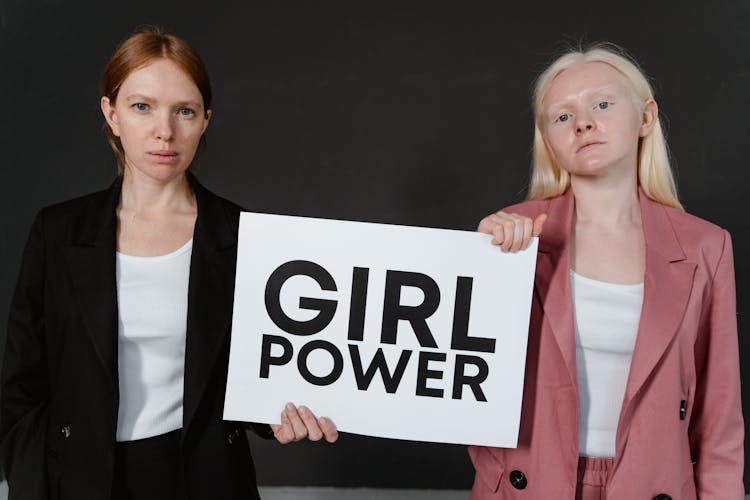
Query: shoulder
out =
(215, 209)
(75, 206)
(681, 236)
(691, 226)
(698, 237)
(230, 207)
(209, 197)
(70, 219)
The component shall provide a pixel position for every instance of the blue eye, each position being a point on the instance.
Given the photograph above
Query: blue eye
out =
(603, 105)
(186, 112)
(563, 118)
(141, 106)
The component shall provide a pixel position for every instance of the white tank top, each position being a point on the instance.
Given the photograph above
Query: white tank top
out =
(606, 324)
(152, 295)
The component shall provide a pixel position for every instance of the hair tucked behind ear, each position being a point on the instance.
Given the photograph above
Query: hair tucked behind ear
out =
(654, 171)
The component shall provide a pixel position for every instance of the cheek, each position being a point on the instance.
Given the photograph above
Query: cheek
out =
(192, 132)
(628, 123)
(629, 130)
(556, 141)
(132, 137)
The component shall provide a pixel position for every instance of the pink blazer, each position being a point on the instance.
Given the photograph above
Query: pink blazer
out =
(680, 431)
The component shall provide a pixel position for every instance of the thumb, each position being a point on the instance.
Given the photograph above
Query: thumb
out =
(536, 229)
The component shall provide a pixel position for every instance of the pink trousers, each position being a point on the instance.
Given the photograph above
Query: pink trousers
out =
(592, 478)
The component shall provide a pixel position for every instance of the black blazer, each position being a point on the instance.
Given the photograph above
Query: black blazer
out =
(58, 412)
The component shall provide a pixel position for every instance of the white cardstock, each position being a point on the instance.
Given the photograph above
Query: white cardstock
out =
(322, 306)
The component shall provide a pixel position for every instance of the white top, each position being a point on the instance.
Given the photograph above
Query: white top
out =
(606, 324)
(152, 295)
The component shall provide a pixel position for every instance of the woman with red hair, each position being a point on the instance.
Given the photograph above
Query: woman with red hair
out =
(118, 341)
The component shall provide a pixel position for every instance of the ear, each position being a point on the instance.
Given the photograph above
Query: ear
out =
(110, 114)
(649, 118)
(208, 118)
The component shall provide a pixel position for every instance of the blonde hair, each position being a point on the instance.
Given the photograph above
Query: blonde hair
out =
(654, 172)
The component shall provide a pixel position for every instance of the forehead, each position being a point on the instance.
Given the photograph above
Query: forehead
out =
(584, 77)
(161, 78)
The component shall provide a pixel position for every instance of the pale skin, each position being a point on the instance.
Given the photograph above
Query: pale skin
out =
(159, 118)
(592, 121)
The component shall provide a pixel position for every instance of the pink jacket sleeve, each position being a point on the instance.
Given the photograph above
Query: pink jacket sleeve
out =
(716, 429)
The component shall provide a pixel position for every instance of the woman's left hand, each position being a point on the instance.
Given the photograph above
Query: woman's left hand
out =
(300, 423)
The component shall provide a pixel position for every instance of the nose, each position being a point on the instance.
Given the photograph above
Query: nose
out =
(164, 127)
(584, 123)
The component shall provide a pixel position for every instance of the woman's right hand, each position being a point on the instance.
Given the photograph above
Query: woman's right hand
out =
(512, 232)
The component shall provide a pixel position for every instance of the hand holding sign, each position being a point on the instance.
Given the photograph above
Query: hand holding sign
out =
(300, 423)
(512, 232)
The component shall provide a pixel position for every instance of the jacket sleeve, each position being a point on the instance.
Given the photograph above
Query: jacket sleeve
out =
(716, 428)
(25, 389)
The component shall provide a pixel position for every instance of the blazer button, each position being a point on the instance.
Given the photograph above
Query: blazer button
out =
(518, 479)
(662, 496)
(233, 435)
(65, 431)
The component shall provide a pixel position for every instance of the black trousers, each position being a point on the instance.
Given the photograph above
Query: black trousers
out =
(149, 469)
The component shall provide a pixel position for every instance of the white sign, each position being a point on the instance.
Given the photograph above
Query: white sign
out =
(390, 331)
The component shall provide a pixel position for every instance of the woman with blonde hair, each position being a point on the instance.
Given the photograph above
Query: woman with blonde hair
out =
(632, 386)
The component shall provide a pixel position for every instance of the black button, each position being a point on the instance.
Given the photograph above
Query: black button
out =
(65, 431)
(662, 496)
(518, 480)
(233, 435)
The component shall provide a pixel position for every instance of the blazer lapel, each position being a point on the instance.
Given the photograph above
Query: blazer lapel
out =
(552, 278)
(668, 282)
(210, 297)
(91, 261)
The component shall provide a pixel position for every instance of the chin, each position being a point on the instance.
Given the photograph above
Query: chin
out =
(589, 172)
(162, 173)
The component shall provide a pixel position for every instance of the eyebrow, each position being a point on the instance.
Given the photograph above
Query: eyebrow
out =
(138, 97)
(189, 103)
(611, 89)
(142, 97)
(608, 90)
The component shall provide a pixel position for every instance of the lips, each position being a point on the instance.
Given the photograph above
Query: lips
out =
(587, 145)
(163, 152)
(163, 155)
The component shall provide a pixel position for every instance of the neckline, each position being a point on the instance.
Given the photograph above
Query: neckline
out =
(184, 248)
(608, 284)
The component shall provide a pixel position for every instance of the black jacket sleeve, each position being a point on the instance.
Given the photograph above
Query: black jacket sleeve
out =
(25, 382)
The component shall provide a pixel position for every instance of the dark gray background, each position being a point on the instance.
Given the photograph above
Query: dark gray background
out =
(408, 113)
